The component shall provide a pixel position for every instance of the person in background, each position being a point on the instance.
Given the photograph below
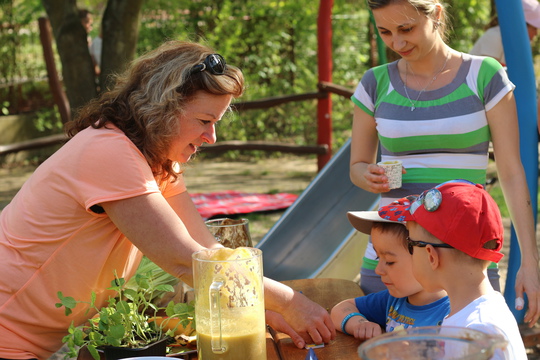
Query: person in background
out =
(436, 110)
(455, 232)
(490, 43)
(87, 21)
(404, 303)
(95, 51)
(94, 45)
(115, 191)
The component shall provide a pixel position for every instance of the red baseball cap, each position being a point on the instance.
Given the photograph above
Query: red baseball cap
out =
(459, 213)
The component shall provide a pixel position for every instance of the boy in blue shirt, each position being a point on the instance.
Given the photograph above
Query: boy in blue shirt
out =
(405, 303)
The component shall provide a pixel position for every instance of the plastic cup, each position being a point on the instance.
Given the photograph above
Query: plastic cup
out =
(392, 169)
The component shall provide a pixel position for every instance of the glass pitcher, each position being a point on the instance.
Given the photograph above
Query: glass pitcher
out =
(229, 298)
(435, 343)
(230, 233)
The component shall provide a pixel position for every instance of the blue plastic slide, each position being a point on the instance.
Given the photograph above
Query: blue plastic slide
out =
(313, 238)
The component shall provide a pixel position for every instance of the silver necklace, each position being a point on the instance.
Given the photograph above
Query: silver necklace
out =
(413, 104)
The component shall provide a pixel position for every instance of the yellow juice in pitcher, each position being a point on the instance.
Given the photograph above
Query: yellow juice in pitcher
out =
(237, 347)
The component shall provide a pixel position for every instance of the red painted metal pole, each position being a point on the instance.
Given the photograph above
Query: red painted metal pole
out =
(324, 106)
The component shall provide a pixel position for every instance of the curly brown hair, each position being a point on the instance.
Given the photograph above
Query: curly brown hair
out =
(149, 97)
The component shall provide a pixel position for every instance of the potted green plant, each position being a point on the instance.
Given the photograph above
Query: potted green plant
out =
(125, 323)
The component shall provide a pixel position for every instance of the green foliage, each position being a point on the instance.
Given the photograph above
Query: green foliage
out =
(274, 43)
(48, 119)
(20, 49)
(157, 275)
(497, 195)
(4, 107)
(125, 320)
(468, 20)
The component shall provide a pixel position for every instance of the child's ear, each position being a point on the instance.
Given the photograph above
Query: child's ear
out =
(433, 257)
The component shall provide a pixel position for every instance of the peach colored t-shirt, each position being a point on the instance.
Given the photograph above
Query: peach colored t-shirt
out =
(51, 241)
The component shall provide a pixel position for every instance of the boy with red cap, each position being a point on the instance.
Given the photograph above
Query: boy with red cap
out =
(455, 231)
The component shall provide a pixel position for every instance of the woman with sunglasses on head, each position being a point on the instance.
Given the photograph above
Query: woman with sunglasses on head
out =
(113, 192)
(436, 110)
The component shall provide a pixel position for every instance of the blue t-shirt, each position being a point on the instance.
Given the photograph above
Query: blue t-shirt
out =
(391, 312)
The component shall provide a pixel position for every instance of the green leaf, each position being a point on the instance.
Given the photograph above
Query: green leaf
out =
(165, 287)
(143, 282)
(153, 307)
(117, 284)
(180, 309)
(123, 307)
(92, 299)
(78, 337)
(117, 331)
(115, 318)
(113, 341)
(66, 301)
(130, 294)
(104, 316)
(94, 352)
(96, 338)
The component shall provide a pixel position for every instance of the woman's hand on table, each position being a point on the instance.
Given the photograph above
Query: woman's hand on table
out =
(278, 323)
(307, 322)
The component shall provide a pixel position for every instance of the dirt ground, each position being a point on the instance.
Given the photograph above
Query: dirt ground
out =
(287, 174)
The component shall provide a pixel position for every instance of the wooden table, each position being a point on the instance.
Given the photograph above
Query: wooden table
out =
(327, 293)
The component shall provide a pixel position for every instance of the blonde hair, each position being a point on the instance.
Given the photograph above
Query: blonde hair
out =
(428, 7)
(148, 98)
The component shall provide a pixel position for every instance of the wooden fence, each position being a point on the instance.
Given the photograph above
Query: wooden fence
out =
(324, 91)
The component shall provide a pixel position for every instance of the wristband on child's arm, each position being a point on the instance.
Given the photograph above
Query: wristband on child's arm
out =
(347, 318)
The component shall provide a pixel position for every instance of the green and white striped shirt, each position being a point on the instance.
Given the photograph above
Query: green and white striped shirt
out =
(447, 136)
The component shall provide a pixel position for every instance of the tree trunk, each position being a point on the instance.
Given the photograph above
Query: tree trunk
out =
(72, 46)
(120, 26)
(120, 29)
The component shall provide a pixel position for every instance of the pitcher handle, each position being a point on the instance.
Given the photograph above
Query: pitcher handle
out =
(218, 346)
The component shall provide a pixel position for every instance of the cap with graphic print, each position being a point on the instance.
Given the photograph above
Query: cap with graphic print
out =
(459, 213)
(363, 220)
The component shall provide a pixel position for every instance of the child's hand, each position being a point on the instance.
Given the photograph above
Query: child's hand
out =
(362, 329)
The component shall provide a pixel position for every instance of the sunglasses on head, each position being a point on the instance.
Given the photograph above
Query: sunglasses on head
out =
(431, 199)
(412, 243)
(213, 63)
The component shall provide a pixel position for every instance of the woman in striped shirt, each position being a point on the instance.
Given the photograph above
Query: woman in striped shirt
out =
(437, 110)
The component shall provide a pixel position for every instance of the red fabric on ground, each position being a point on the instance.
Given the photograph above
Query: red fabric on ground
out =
(235, 202)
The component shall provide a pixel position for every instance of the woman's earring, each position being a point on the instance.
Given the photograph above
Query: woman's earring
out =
(437, 24)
